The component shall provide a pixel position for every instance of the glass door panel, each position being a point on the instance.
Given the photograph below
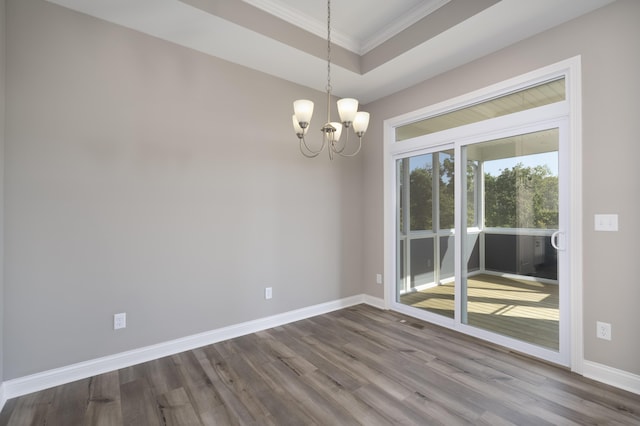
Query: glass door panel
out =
(426, 252)
(509, 282)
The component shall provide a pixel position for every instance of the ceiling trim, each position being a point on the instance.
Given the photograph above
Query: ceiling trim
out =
(360, 47)
(402, 23)
(240, 33)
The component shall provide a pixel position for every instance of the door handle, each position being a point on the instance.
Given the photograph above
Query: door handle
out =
(555, 240)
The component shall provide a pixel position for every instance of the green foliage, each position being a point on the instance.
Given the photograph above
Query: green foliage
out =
(522, 197)
(421, 203)
(447, 193)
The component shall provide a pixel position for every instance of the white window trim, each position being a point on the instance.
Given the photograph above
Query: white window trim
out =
(571, 68)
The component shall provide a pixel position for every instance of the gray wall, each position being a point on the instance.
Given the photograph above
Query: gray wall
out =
(131, 183)
(146, 178)
(608, 40)
(2, 108)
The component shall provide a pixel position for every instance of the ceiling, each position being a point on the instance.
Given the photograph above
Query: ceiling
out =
(379, 46)
(350, 28)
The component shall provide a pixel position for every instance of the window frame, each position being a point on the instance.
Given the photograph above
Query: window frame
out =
(570, 108)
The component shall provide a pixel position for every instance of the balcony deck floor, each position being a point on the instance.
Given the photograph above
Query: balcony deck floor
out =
(525, 310)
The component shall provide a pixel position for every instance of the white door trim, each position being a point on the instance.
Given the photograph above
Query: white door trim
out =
(571, 108)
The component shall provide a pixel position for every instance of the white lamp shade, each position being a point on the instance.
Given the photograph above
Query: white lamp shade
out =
(338, 132)
(361, 122)
(296, 126)
(303, 110)
(347, 109)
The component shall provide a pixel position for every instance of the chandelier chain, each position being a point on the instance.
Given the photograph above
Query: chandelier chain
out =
(329, 46)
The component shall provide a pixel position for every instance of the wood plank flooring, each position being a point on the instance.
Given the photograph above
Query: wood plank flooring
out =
(358, 365)
(525, 310)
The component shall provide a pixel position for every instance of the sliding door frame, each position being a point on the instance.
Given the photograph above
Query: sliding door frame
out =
(568, 110)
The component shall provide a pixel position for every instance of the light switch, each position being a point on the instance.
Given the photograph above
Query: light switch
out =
(606, 222)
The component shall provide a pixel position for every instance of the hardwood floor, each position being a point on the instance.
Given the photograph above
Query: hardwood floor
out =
(358, 365)
(525, 310)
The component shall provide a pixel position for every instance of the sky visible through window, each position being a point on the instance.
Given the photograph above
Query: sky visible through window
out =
(495, 167)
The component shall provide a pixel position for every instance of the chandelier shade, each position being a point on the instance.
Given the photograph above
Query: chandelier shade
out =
(347, 109)
(303, 110)
(331, 131)
(361, 123)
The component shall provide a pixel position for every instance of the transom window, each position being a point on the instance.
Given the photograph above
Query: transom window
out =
(532, 97)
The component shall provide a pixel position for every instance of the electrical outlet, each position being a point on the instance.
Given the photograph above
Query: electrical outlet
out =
(119, 321)
(603, 330)
(378, 278)
(268, 293)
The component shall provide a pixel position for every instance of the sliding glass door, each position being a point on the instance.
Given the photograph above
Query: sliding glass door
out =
(479, 238)
(511, 287)
(478, 233)
(425, 241)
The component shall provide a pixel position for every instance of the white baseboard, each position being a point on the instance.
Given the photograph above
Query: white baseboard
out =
(47, 379)
(612, 376)
(59, 376)
(376, 302)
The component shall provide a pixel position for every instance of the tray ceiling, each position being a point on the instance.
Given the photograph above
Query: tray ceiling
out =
(380, 46)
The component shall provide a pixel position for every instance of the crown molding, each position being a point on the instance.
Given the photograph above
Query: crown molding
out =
(402, 23)
(318, 27)
(308, 23)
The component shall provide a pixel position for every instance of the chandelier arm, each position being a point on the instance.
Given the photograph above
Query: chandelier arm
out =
(344, 144)
(313, 154)
(353, 154)
(303, 141)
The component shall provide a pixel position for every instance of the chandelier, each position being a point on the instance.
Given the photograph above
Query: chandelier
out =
(331, 131)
